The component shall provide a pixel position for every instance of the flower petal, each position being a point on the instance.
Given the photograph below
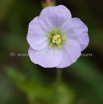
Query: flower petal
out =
(71, 51)
(75, 29)
(36, 35)
(54, 17)
(52, 58)
(48, 57)
(35, 26)
(41, 46)
(83, 39)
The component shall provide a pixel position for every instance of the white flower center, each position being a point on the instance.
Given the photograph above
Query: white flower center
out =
(56, 38)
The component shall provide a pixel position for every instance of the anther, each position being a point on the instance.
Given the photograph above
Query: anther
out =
(53, 40)
(55, 30)
(63, 38)
(48, 35)
(50, 45)
(59, 46)
(58, 36)
(59, 40)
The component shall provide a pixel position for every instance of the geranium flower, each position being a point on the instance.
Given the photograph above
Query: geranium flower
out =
(55, 38)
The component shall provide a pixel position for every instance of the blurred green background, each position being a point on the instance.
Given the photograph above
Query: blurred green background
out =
(22, 82)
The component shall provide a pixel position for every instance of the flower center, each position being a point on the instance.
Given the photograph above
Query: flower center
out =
(56, 38)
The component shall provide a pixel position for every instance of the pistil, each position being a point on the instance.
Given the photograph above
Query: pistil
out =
(56, 39)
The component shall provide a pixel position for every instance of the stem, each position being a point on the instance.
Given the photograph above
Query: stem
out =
(47, 3)
(58, 82)
(59, 75)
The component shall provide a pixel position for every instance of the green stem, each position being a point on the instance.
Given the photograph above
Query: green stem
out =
(47, 3)
(58, 82)
(59, 75)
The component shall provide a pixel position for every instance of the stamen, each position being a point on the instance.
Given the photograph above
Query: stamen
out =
(53, 40)
(63, 38)
(58, 36)
(59, 40)
(48, 35)
(59, 46)
(50, 45)
(55, 30)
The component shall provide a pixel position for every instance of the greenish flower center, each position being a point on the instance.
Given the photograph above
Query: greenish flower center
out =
(56, 38)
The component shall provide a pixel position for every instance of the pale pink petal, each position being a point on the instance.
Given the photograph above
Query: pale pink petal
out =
(48, 57)
(75, 29)
(54, 17)
(36, 35)
(41, 46)
(35, 26)
(82, 38)
(71, 51)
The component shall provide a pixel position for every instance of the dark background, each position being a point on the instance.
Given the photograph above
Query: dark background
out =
(21, 80)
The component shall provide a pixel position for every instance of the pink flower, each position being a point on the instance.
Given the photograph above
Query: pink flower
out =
(55, 38)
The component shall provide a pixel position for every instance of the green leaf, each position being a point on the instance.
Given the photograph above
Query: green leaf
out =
(32, 89)
(65, 95)
(88, 72)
